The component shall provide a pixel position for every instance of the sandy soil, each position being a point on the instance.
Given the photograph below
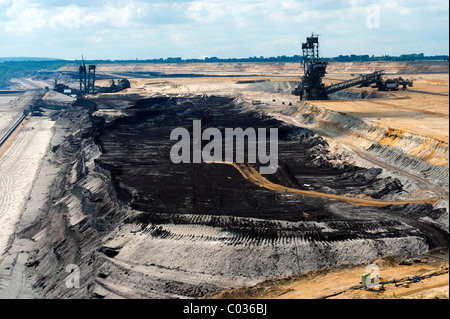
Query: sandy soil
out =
(14, 279)
(270, 69)
(18, 168)
(338, 282)
(409, 112)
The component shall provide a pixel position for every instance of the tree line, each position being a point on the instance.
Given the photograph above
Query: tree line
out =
(295, 58)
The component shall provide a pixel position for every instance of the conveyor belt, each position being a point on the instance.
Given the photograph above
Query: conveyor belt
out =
(11, 130)
(363, 79)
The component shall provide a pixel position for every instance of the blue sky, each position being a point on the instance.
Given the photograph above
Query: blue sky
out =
(129, 29)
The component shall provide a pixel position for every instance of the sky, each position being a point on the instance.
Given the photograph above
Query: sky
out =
(128, 29)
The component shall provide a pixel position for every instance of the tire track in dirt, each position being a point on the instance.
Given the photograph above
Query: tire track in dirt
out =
(255, 248)
(18, 168)
(10, 186)
(230, 231)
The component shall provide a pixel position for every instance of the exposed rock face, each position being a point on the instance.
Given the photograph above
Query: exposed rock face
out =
(138, 226)
(82, 208)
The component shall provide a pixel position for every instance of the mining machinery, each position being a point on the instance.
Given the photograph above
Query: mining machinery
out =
(314, 69)
(87, 78)
(374, 80)
(59, 87)
(393, 84)
(362, 80)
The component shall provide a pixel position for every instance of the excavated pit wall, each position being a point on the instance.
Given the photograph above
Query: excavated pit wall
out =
(421, 155)
(156, 253)
(82, 207)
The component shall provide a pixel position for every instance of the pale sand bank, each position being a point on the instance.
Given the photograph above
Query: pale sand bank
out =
(19, 167)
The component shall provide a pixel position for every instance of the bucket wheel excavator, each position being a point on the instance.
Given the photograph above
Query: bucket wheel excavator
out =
(311, 86)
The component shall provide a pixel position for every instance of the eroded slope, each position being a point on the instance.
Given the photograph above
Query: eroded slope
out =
(138, 225)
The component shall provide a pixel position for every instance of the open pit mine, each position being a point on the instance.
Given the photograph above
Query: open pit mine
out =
(88, 188)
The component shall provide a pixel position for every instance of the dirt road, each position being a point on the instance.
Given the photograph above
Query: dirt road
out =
(250, 173)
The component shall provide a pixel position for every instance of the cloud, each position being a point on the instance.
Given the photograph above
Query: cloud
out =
(206, 11)
(26, 16)
(69, 18)
(94, 39)
(232, 28)
(20, 16)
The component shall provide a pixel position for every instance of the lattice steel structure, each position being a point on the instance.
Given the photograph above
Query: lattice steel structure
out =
(87, 78)
(314, 69)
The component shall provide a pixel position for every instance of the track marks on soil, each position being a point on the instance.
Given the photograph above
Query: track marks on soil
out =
(233, 248)
(18, 168)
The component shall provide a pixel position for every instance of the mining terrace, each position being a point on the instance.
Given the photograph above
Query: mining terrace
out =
(90, 182)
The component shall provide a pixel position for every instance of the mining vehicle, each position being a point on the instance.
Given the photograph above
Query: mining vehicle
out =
(311, 86)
